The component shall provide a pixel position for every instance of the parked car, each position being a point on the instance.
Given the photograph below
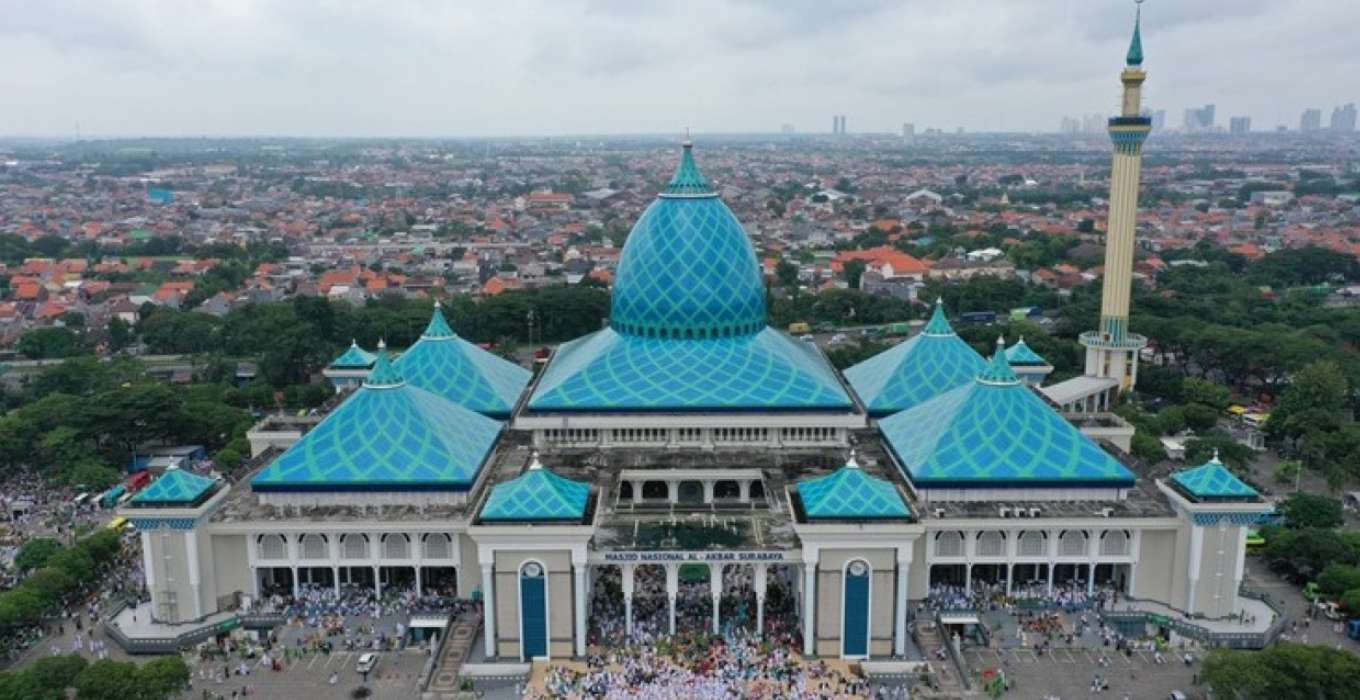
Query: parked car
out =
(367, 662)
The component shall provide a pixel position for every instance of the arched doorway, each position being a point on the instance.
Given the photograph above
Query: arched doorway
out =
(533, 611)
(855, 613)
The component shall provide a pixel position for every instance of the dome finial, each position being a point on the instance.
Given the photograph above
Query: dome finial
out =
(382, 343)
(851, 463)
(939, 323)
(688, 181)
(1215, 459)
(534, 464)
(1135, 57)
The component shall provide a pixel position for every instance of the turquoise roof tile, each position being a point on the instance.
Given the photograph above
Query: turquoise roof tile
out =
(1135, 55)
(688, 269)
(354, 357)
(1021, 355)
(995, 432)
(175, 487)
(923, 367)
(1213, 481)
(608, 371)
(389, 435)
(850, 494)
(444, 364)
(537, 494)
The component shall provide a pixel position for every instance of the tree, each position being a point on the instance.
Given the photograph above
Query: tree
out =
(787, 273)
(1310, 405)
(121, 334)
(164, 677)
(1338, 578)
(854, 270)
(110, 680)
(1286, 670)
(1147, 447)
(35, 553)
(53, 342)
(1202, 391)
(1306, 510)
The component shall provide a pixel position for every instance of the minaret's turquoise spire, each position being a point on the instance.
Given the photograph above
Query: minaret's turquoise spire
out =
(1135, 57)
(688, 181)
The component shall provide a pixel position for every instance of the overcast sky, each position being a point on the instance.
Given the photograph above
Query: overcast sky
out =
(509, 67)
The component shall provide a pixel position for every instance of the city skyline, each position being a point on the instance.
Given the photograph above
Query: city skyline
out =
(417, 69)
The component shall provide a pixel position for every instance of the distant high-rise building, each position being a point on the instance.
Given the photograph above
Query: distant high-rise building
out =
(1239, 125)
(1343, 118)
(1093, 124)
(1311, 120)
(908, 130)
(1199, 119)
(838, 124)
(1069, 125)
(1158, 119)
(786, 129)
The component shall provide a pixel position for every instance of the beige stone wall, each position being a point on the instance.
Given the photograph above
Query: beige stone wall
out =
(882, 586)
(1155, 571)
(560, 608)
(170, 560)
(470, 572)
(1217, 588)
(226, 554)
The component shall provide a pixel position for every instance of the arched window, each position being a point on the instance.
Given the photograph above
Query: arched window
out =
(655, 490)
(991, 544)
(1072, 543)
(396, 546)
(273, 547)
(354, 546)
(438, 546)
(949, 544)
(314, 546)
(1033, 544)
(1114, 543)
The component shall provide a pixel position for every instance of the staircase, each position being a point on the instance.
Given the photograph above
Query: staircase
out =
(946, 674)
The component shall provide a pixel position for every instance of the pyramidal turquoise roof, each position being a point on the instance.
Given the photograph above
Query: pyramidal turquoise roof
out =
(537, 494)
(688, 269)
(611, 371)
(444, 364)
(996, 433)
(921, 368)
(387, 436)
(354, 357)
(1135, 56)
(850, 494)
(1213, 481)
(999, 368)
(176, 487)
(1021, 355)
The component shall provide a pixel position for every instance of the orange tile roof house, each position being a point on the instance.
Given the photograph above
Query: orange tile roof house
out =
(885, 260)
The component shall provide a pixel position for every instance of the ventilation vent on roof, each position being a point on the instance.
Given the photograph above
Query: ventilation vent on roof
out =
(1106, 512)
(939, 512)
(1005, 512)
(1033, 512)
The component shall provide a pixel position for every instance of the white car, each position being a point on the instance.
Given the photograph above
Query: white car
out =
(367, 662)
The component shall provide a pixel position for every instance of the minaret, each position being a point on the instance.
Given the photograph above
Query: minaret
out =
(1112, 351)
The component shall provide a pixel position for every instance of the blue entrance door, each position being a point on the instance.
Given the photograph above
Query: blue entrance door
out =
(533, 611)
(855, 617)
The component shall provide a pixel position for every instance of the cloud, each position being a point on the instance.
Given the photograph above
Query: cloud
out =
(435, 68)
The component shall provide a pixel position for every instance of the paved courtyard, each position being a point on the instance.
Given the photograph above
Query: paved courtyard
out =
(308, 677)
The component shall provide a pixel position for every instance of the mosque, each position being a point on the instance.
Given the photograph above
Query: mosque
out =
(689, 433)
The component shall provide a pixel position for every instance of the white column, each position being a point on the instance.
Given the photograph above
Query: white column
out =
(672, 589)
(628, 598)
(1010, 576)
(150, 571)
(673, 492)
(191, 549)
(579, 569)
(418, 588)
(637, 491)
(708, 490)
(1196, 548)
(715, 585)
(489, 609)
(744, 491)
(1093, 555)
(1137, 556)
(1241, 562)
(335, 578)
(900, 613)
(294, 569)
(761, 582)
(968, 579)
(809, 606)
(377, 581)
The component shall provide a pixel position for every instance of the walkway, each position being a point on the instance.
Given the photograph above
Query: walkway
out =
(462, 636)
(1259, 615)
(136, 623)
(945, 674)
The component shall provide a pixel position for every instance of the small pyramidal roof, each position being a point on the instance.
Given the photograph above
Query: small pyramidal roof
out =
(850, 494)
(444, 364)
(687, 181)
(921, 368)
(1135, 57)
(1021, 355)
(994, 432)
(537, 495)
(354, 357)
(176, 487)
(1213, 481)
(389, 435)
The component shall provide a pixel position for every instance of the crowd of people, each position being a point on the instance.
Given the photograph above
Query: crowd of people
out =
(354, 616)
(992, 595)
(695, 663)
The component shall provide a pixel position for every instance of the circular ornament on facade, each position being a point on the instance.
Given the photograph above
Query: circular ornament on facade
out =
(533, 570)
(858, 568)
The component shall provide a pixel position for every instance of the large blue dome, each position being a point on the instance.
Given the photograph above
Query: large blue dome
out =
(688, 270)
